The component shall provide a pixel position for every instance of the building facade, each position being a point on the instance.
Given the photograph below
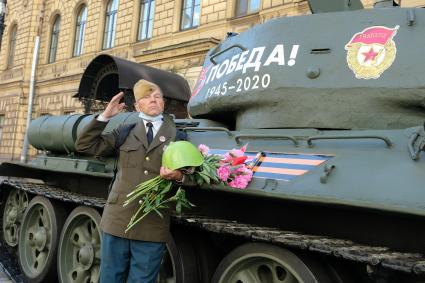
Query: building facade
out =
(172, 35)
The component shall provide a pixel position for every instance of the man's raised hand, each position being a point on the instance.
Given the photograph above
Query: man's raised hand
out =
(114, 106)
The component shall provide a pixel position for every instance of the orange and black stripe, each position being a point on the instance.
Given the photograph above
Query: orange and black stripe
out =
(281, 166)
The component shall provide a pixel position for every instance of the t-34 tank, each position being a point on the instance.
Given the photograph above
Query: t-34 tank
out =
(334, 105)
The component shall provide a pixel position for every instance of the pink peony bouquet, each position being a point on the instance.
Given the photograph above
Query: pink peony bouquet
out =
(230, 170)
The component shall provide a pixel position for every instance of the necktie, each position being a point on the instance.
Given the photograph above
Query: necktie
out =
(149, 134)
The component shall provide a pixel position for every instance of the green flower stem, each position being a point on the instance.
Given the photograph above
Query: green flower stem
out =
(153, 208)
(145, 185)
(139, 191)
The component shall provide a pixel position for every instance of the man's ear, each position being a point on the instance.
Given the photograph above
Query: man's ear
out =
(136, 106)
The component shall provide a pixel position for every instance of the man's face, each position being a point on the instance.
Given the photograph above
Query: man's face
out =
(151, 105)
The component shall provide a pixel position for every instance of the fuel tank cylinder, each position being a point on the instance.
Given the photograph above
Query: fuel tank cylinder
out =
(58, 133)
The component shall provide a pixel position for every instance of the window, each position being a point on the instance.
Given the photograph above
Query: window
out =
(54, 39)
(147, 12)
(190, 14)
(79, 31)
(12, 45)
(245, 7)
(2, 118)
(110, 21)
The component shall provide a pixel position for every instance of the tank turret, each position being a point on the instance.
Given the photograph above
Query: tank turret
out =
(318, 71)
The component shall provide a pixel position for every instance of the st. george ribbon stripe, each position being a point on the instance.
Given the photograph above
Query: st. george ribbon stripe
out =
(279, 170)
(281, 166)
(282, 177)
(287, 165)
(293, 160)
(223, 152)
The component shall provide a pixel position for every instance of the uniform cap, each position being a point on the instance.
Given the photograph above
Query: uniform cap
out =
(144, 88)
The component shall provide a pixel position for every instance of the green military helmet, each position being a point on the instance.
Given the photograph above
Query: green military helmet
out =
(181, 154)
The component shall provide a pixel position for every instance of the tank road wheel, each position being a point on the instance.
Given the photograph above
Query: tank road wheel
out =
(38, 239)
(179, 261)
(167, 270)
(79, 247)
(261, 263)
(13, 211)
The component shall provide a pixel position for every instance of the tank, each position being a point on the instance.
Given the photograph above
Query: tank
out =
(332, 103)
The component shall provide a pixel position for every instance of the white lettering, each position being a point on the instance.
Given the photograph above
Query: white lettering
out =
(239, 82)
(254, 60)
(232, 64)
(277, 56)
(213, 71)
(293, 55)
(265, 80)
(256, 79)
(221, 71)
(241, 60)
(247, 83)
(223, 92)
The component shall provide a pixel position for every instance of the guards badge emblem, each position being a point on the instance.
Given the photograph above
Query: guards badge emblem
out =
(371, 52)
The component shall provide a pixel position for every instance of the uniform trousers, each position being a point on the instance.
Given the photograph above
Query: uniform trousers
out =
(131, 261)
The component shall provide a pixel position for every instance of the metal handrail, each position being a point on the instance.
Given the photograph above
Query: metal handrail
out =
(196, 129)
(238, 137)
(415, 146)
(224, 51)
(385, 139)
(414, 153)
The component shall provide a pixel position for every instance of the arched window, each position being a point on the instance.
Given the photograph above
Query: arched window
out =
(190, 14)
(54, 39)
(147, 12)
(12, 45)
(80, 27)
(110, 22)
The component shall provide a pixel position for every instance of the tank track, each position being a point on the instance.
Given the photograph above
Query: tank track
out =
(379, 257)
(55, 193)
(8, 258)
(413, 263)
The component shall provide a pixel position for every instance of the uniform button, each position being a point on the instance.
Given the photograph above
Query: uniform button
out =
(147, 158)
(146, 172)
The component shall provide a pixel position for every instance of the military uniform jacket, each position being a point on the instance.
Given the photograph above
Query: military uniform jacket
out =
(137, 163)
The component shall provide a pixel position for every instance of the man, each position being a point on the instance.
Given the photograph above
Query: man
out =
(134, 256)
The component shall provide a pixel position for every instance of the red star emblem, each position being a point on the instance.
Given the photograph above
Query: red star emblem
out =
(370, 55)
